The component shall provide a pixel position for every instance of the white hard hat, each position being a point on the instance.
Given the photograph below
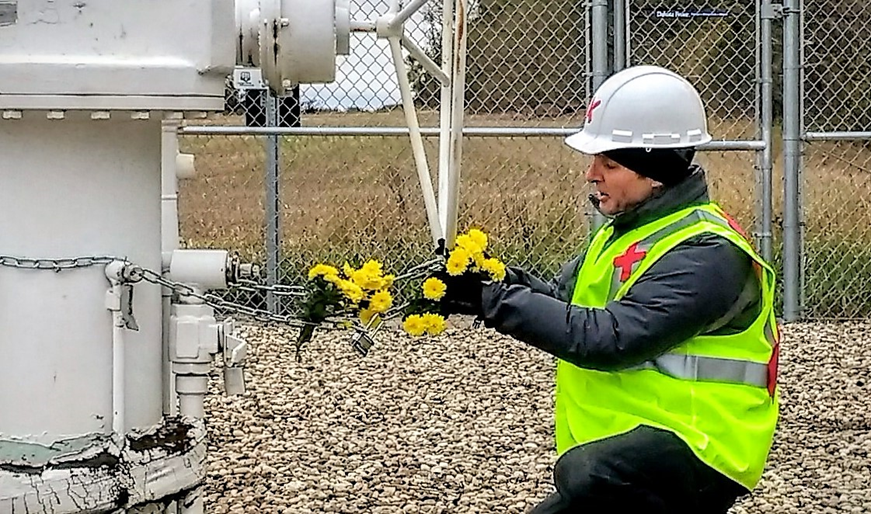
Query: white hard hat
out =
(642, 107)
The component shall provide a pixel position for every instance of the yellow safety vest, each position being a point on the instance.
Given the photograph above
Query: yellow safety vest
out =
(717, 393)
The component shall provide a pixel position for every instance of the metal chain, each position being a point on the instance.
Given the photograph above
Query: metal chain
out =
(210, 299)
(55, 264)
(252, 286)
(221, 304)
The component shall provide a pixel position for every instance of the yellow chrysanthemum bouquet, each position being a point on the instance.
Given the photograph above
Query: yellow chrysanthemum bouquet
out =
(364, 293)
(350, 292)
(424, 314)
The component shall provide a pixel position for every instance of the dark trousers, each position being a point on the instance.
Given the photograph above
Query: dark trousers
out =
(646, 470)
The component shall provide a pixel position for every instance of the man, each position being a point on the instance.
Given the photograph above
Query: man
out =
(664, 329)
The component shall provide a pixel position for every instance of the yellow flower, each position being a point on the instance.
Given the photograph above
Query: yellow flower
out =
(479, 259)
(458, 261)
(466, 242)
(414, 325)
(479, 238)
(372, 268)
(434, 289)
(367, 280)
(387, 281)
(495, 268)
(348, 270)
(323, 270)
(359, 277)
(351, 290)
(434, 323)
(380, 301)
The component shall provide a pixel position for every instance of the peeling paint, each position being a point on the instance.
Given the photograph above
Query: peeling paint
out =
(85, 451)
(158, 466)
(172, 435)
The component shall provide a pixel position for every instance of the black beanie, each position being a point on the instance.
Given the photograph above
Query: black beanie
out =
(669, 166)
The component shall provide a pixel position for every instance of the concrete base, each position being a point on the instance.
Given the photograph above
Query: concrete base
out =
(158, 469)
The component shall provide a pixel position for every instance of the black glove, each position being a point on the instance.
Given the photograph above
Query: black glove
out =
(463, 294)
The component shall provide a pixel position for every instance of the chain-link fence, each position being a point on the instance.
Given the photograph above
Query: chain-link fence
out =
(837, 174)
(355, 195)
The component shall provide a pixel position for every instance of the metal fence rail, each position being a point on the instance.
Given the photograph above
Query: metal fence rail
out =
(291, 183)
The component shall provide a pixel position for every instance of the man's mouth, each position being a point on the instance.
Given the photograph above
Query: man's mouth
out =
(600, 196)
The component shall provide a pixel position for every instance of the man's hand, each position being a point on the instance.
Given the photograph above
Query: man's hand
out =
(463, 293)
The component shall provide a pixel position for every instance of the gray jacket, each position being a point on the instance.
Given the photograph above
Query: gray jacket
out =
(705, 285)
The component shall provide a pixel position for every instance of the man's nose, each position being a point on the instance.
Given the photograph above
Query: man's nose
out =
(592, 173)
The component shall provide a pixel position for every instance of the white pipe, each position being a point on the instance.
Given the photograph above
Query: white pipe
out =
(458, 80)
(118, 370)
(115, 272)
(423, 172)
(169, 242)
(192, 393)
(192, 405)
(363, 26)
(403, 15)
(425, 61)
(445, 108)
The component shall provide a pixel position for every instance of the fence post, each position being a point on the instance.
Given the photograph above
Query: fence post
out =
(599, 21)
(620, 13)
(792, 108)
(273, 241)
(766, 65)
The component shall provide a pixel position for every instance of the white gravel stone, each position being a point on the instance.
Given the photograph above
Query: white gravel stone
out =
(463, 423)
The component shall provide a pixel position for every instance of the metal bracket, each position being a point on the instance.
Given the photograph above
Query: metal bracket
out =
(772, 11)
(127, 307)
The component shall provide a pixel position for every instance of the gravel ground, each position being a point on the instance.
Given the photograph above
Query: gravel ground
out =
(462, 423)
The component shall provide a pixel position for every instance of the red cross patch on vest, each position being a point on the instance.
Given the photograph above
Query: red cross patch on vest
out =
(627, 260)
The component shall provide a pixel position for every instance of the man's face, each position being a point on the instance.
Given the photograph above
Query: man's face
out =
(617, 187)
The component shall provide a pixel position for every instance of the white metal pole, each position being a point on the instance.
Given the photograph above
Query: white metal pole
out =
(417, 148)
(445, 110)
(403, 15)
(458, 82)
(425, 61)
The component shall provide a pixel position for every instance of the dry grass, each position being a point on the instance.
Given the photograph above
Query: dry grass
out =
(352, 197)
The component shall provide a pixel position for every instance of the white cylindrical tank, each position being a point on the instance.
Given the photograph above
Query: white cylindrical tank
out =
(76, 188)
(84, 87)
(87, 407)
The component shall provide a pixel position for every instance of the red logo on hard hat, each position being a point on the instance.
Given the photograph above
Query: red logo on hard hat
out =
(590, 108)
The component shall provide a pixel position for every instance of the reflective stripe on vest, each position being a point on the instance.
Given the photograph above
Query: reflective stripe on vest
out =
(695, 367)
